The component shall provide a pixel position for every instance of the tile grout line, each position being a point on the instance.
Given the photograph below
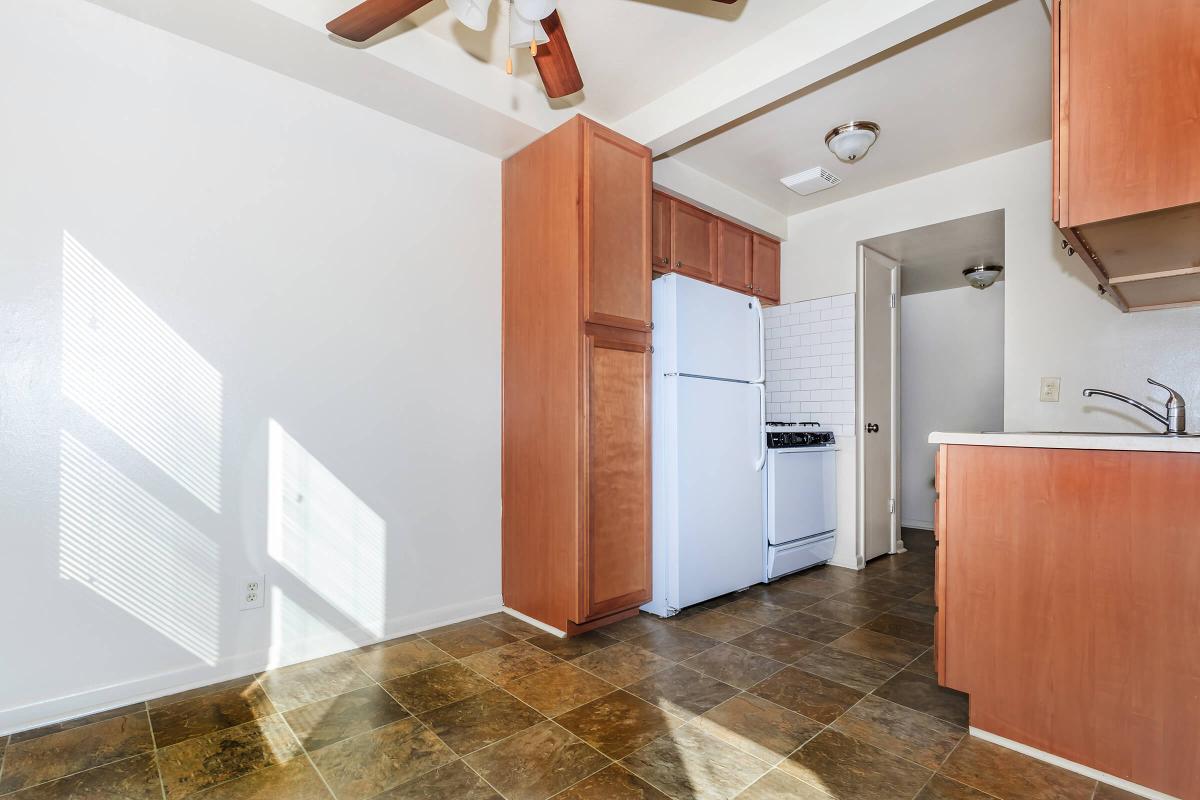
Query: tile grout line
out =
(162, 785)
(704, 733)
(308, 756)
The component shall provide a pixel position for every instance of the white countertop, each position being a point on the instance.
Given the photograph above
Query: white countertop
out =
(1073, 441)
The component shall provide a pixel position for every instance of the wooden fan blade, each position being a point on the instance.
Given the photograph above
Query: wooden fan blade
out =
(367, 19)
(555, 62)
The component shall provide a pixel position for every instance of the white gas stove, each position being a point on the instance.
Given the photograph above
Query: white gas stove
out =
(799, 497)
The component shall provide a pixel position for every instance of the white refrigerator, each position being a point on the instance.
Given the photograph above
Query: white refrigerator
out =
(709, 448)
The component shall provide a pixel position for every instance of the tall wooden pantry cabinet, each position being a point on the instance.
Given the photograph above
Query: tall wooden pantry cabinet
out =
(576, 378)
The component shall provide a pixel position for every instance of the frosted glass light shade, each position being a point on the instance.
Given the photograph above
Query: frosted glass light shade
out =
(534, 9)
(850, 142)
(983, 276)
(472, 13)
(522, 31)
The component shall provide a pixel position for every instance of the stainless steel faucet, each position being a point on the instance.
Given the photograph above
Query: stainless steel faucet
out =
(1175, 418)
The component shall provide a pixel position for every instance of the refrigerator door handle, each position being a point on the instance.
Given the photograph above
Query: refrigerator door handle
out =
(762, 427)
(762, 342)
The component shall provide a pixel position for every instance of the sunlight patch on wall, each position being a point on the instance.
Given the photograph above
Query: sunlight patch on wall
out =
(298, 635)
(129, 548)
(128, 369)
(324, 535)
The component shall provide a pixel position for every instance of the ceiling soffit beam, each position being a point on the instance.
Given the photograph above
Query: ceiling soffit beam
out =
(268, 39)
(833, 37)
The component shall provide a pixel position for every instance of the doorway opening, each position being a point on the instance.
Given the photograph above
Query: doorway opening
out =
(930, 358)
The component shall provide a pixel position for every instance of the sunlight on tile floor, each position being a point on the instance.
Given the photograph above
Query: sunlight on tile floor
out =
(819, 685)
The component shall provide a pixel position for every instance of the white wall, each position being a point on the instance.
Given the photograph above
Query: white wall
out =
(951, 379)
(245, 328)
(1054, 324)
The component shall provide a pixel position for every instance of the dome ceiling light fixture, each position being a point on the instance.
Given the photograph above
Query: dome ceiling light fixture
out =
(982, 276)
(850, 142)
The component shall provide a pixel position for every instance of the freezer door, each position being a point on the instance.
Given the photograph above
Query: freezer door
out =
(717, 331)
(801, 494)
(718, 526)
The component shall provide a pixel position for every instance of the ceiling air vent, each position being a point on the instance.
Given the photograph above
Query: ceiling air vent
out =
(810, 181)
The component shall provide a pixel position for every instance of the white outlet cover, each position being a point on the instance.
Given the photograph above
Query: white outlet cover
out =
(1051, 388)
(252, 592)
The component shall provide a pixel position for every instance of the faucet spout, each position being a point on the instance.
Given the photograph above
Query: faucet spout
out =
(1175, 420)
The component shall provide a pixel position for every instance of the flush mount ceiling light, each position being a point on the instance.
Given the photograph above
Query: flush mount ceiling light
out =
(983, 276)
(850, 142)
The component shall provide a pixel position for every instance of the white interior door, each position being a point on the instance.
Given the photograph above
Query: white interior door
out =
(719, 527)
(879, 289)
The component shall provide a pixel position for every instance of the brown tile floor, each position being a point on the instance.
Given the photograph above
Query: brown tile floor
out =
(819, 685)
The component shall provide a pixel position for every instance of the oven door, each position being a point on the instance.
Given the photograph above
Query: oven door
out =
(801, 494)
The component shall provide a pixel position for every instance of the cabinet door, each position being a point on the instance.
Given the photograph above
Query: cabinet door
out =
(616, 547)
(1128, 111)
(660, 233)
(766, 268)
(616, 229)
(734, 255)
(693, 242)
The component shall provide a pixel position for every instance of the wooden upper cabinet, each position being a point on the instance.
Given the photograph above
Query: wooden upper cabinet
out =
(1126, 175)
(616, 229)
(693, 242)
(734, 256)
(617, 543)
(766, 268)
(660, 232)
(1129, 107)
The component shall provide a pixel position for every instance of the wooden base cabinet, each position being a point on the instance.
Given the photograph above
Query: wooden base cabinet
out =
(1068, 604)
(575, 462)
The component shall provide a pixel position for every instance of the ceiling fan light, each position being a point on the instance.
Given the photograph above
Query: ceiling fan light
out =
(983, 276)
(472, 13)
(534, 9)
(522, 31)
(850, 142)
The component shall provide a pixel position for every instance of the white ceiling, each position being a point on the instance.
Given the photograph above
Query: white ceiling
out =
(933, 257)
(630, 52)
(972, 88)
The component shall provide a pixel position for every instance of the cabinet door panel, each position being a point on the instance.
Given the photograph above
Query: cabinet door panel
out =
(766, 268)
(660, 233)
(1132, 107)
(693, 242)
(617, 545)
(734, 255)
(616, 224)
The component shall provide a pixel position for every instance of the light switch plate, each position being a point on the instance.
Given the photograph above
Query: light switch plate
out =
(1050, 390)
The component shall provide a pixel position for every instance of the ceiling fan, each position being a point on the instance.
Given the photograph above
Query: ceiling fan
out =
(532, 22)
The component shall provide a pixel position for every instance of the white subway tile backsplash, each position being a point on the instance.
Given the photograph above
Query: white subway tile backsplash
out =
(810, 362)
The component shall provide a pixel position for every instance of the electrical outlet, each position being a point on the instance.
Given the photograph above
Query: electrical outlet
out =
(253, 589)
(1050, 390)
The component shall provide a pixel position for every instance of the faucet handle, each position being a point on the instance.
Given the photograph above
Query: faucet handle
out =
(1176, 398)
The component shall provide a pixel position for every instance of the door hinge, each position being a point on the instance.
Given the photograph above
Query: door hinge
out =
(892, 300)
(892, 506)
